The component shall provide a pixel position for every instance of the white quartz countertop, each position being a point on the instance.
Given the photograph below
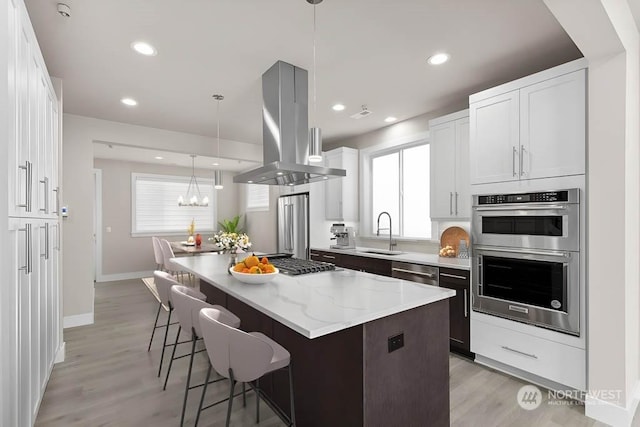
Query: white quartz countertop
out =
(412, 257)
(318, 304)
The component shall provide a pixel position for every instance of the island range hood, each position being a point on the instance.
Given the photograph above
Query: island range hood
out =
(285, 130)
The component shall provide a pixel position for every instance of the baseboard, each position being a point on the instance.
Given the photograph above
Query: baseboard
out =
(62, 351)
(77, 320)
(611, 414)
(124, 276)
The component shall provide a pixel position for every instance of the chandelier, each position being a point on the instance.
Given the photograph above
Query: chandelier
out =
(193, 196)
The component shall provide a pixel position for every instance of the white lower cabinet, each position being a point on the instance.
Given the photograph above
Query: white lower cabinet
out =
(560, 363)
(33, 315)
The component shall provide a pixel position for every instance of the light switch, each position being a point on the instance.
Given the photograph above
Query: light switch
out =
(108, 229)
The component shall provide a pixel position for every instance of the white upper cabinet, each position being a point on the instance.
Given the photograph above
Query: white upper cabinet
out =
(532, 128)
(450, 186)
(341, 194)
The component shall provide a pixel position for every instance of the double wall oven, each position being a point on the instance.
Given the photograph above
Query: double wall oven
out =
(526, 257)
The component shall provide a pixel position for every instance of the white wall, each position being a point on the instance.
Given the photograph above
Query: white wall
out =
(123, 254)
(606, 33)
(78, 193)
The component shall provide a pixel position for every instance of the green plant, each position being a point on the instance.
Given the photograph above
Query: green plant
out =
(231, 226)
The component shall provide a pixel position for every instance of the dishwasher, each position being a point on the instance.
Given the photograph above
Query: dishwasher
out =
(415, 272)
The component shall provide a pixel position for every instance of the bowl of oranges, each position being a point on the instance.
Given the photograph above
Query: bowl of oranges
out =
(253, 270)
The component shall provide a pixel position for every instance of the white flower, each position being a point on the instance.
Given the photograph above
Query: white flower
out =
(231, 241)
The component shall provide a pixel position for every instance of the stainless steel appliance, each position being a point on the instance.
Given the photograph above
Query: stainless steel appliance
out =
(293, 225)
(344, 237)
(526, 257)
(415, 273)
(295, 266)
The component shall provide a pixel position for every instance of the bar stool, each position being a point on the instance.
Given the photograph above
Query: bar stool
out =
(169, 266)
(244, 357)
(157, 253)
(164, 281)
(187, 309)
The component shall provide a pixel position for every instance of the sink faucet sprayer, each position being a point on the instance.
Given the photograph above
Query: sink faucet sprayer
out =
(391, 242)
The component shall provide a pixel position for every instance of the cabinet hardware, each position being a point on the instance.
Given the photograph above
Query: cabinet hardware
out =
(456, 203)
(46, 240)
(450, 203)
(522, 151)
(28, 185)
(418, 273)
(27, 268)
(328, 257)
(453, 276)
(45, 182)
(456, 340)
(519, 309)
(513, 160)
(57, 191)
(533, 356)
(466, 308)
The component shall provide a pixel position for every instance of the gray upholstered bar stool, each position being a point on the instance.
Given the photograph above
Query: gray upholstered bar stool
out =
(244, 357)
(157, 253)
(164, 281)
(187, 309)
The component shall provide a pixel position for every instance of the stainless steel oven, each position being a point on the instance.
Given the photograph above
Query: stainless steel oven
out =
(526, 259)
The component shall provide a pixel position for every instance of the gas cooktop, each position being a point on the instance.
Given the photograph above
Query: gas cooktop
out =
(295, 266)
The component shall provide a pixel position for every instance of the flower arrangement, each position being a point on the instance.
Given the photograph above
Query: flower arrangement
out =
(231, 242)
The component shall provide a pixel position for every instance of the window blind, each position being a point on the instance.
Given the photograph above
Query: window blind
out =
(156, 210)
(257, 197)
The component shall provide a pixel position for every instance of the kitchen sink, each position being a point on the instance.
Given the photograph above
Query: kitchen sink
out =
(381, 252)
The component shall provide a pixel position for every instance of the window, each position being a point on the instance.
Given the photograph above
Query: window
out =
(400, 186)
(155, 207)
(257, 197)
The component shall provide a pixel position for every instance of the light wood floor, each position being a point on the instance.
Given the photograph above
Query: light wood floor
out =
(109, 379)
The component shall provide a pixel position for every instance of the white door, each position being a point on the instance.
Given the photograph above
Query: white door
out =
(463, 183)
(553, 126)
(494, 139)
(443, 163)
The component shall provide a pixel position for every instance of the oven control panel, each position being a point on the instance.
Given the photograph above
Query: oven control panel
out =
(543, 197)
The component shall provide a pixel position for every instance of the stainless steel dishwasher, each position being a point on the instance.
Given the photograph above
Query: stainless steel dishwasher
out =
(415, 272)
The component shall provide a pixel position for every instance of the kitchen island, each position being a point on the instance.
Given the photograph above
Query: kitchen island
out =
(366, 350)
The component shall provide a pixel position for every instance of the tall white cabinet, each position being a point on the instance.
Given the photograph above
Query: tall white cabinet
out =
(450, 185)
(30, 318)
(341, 195)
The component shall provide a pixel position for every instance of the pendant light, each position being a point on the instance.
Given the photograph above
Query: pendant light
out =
(217, 174)
(193, 196)
(315, 133)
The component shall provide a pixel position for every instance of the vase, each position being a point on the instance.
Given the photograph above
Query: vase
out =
(233, 260)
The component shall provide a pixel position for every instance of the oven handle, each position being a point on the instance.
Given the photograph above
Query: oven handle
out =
(522, 208)
(524, 251)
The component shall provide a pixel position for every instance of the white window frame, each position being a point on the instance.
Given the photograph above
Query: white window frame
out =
(170, 178)
(262, 208)
(366, 156)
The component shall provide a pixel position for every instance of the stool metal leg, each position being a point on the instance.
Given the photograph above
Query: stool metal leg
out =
(164, 343)
(244, 395)
(155, 324)
(204, 391)
(173, 354)
(257, 401)
(231, 388)
(293, 412)
(186, 390)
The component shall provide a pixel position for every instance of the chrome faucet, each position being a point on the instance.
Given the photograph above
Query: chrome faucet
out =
(391, 242)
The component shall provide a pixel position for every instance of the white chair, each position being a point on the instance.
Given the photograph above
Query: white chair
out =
(164, 281)
(187, 309)
(157, 253)
(170, 266)
(244, 357)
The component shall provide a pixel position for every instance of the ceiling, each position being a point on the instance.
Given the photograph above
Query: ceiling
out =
(369, 52)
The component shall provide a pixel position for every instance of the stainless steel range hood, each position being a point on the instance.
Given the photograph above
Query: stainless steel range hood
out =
(285, 130)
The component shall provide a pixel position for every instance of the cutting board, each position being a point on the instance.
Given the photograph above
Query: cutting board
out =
(452, 236)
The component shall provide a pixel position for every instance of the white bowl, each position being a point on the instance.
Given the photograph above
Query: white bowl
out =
(254, 279)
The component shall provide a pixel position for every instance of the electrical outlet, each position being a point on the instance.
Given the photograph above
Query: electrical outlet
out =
(395, 342)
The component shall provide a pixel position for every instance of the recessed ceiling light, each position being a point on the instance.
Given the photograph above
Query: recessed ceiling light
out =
(215, 164)
(338, 107)
(249, 182)
(438, 58)
(390, 119)
(159, 157)
(279, 173)
(144, 48)
(129, 102)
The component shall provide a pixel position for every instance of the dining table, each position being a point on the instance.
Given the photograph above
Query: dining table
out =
(183, 248)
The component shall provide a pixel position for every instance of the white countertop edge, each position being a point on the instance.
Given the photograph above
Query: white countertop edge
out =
(444, 294)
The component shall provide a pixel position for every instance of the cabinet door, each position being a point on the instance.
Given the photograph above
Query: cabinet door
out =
(494, 139)
(459, 308)
(333, 189)
(443, 162)
(463, 183)
(553, 126)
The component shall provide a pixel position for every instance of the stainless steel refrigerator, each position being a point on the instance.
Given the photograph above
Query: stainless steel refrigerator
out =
(293, 225)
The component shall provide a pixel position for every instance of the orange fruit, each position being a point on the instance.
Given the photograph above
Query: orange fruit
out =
(255, 270)
(251, 261)
(239, 267)
(264, 260)
(269, 269)
(245, 270)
